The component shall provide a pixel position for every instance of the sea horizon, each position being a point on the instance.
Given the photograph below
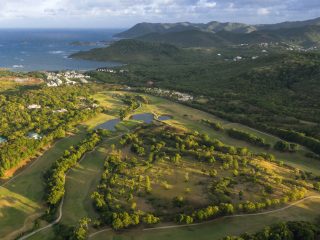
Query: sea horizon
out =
(48, 49)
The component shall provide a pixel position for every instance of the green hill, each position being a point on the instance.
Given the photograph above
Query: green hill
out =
(190, 38)
(303, 36)
(131, 51)
(295, 24)
(141, 29)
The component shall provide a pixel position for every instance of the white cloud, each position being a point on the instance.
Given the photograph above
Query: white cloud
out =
(263, 11)
(206, 4)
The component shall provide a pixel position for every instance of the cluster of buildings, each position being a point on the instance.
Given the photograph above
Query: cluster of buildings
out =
(68, 78)
(110, 70)
(182, 97)
(36, 106)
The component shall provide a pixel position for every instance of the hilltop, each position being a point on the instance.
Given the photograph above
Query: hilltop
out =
(131, 50)
(303, 36)
(214, 34)
(141, 29)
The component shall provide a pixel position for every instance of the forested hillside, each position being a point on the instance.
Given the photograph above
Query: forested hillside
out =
(303, 36)
(131, 51)
(141, 29)
(276, 92)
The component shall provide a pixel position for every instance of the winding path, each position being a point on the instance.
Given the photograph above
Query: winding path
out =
(48, 226)
(231, 216)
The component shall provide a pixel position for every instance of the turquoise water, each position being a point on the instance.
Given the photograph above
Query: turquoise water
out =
(41, 49)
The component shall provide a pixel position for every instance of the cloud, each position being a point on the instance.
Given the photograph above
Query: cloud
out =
(206, 4)
(117, 13)
(263, 11)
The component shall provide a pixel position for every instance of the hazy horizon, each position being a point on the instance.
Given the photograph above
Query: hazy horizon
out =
(107, 14)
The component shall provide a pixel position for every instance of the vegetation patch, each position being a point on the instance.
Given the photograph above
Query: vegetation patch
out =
(160, 173)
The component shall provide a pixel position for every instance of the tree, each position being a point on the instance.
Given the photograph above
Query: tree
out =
(117, 224)
(81, 231)
(186, 177)
(148, 184)
(150, 219)
(240, 195)
(316, 186)
(178, 201)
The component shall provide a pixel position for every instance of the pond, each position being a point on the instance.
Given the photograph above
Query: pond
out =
(164, 118)
(109, 125)
(145, 117)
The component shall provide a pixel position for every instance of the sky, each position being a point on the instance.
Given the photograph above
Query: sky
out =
(126, 13)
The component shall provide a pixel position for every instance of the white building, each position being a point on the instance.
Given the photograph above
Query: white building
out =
(34, 135)
(62, 110)
(34, 106)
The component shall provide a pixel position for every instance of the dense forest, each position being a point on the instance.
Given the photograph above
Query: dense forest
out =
(34, 118)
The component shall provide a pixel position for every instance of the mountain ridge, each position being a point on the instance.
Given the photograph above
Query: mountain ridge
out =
(307, 36)
(144, 28)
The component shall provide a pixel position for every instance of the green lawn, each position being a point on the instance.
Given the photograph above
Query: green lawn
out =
(81, 182)
(220, 228)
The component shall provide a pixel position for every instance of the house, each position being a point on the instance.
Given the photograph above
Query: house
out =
(82, 80)
(95, 105)
(34, 106)
(34, 135)
(237, 58)
(62, 110)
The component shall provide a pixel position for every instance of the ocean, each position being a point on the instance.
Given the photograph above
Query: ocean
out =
(48, 49)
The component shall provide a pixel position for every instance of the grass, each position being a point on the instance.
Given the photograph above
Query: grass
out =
(168, 181)
(307, 211)
(99, 119)
(81, 182)
(47, 234)
(23, 196)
